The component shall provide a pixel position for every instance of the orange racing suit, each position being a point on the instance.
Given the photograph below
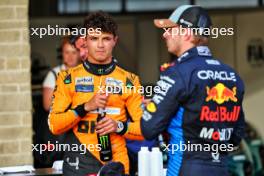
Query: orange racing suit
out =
(77, 86)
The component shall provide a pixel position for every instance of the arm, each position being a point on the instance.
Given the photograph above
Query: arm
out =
(163, 105)
(61, 117)
(47, 97)
(134, 107)
(47, 92)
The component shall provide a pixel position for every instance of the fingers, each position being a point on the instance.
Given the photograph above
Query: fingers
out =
(101, 100)
(105, 126)
(103, 123)
(102, 96)
(97, 101)
(106, 130)
(101, 103)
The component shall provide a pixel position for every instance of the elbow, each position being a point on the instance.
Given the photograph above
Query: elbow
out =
(46, 107)
(55, 132)
(147, 131)
(149, 136)
(54, 128)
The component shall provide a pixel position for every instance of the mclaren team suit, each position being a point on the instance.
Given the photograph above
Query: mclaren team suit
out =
(199, 102)
(77, 86)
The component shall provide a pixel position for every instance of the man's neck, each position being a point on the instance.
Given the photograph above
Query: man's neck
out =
(184, 49)
(99, 69)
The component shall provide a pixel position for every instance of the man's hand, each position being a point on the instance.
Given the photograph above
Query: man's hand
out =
(106, 126)
(97, 101)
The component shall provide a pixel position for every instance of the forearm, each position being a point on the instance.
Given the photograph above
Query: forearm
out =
(47, 98)
(60, 122)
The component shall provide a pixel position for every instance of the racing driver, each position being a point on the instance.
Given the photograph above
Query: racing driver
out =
(199, 102)
(78, 96)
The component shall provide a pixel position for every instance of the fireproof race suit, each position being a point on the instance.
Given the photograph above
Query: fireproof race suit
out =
(77, 86)
(199, 102)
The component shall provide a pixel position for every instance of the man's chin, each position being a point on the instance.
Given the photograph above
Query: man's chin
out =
(72, 65)
(100, 57)
(170, 51)
(101, 60)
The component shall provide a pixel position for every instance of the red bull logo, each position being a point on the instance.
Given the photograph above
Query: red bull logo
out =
(220, 114)
(220, 94)
(164, 66)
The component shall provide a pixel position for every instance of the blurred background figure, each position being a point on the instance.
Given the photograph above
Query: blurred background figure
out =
(70, 58)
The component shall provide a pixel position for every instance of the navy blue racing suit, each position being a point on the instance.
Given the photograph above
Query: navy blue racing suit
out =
(198, 100)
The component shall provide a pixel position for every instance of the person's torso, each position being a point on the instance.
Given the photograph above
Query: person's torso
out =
(83, 85)
(207, 116)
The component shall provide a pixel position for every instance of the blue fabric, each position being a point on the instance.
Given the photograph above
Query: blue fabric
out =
(134, 146)
(176, 132)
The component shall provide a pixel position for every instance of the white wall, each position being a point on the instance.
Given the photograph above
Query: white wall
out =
(250, 25)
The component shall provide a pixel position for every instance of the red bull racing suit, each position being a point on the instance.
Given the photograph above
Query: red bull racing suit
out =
(199, 102)
(77, 86)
